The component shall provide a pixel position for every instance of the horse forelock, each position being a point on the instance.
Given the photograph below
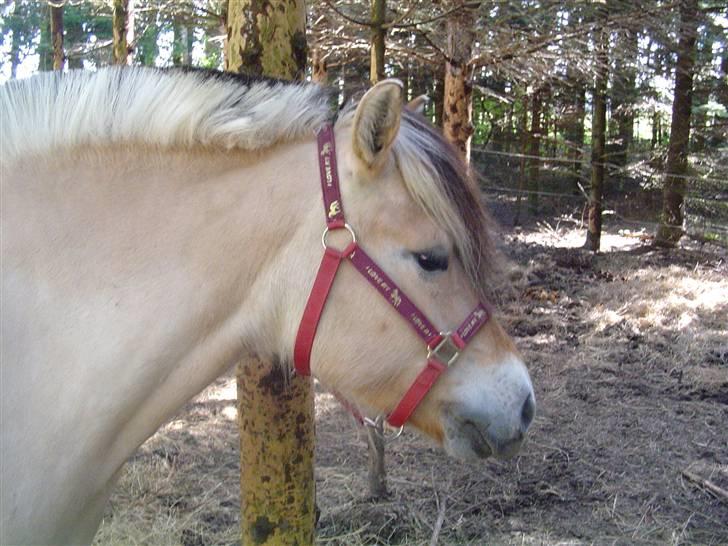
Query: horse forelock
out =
(155, 107)
(444, 187)
(442, 184)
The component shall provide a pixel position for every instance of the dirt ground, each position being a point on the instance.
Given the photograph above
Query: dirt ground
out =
(628, 352)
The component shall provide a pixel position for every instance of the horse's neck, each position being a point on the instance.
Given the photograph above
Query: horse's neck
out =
(157, 265)
(225, 222)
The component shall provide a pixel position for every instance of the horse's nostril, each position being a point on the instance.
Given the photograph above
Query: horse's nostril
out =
(528, 411)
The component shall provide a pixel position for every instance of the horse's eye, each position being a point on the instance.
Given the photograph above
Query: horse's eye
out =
(431, 262)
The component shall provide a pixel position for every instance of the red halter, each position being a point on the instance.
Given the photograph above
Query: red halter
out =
(442, 348)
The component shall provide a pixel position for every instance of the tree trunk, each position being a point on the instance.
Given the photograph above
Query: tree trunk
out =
(534, 150)
(670, 229)
(508, 134)
(14, 56)
(573, 122)
(375, 436)
(718, 132)
(267, 38)
(576, 131)
(458, 102)
(624, 95)
(599, 128)
(276, 412)
(319, 69)
(721, 87)
(701, 96)
(120, 22)
(438, 95)
(74, 33)
(523, 131)
(130, 35)
(182, 44)
(45, 47)
(59, 58)
(377, 44)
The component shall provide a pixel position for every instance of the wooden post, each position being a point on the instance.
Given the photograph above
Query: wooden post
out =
(276, 412)
(276, 421)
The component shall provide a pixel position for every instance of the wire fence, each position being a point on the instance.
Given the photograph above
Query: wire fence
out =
(706, 209)
(614, 168)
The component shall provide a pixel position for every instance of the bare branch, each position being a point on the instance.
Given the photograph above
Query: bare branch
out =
(467, 5)
(347, 17)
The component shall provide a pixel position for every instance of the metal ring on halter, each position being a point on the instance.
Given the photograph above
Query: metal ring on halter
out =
(328, 229)
(379, 420)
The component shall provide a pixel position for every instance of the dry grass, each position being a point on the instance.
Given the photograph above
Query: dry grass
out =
(629, 355)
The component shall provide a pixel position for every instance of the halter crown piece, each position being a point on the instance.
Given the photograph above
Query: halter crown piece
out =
(443, 348)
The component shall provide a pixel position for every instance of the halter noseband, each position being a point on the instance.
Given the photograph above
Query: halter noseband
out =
(443, 348)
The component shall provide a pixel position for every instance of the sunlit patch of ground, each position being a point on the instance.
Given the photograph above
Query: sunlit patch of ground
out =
(568, 233)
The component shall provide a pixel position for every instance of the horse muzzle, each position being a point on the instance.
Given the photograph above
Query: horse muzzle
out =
(490, 417)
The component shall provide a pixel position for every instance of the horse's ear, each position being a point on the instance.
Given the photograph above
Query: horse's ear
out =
(417, 105)
(376, 122)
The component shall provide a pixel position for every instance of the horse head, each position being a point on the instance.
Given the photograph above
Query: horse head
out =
(416, 211)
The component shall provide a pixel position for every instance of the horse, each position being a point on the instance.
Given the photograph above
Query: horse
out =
(160, 225)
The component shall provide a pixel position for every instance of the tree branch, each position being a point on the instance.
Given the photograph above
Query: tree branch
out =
(467, 5)
(348, 17)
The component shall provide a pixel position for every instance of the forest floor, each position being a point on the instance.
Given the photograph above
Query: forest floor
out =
(628, 353)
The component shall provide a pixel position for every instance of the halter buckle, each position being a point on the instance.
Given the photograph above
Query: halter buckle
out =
(446, 351)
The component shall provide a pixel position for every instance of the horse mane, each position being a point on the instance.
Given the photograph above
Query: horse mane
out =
(194, 107)
(158, 107)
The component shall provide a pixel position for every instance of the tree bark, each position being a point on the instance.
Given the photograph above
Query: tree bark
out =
(599, 128)
(458, 103)
(267, 38)
(59, 57)
(276, 412)
(120, 22)
(377, 42)
(319, 68)
(670, 230)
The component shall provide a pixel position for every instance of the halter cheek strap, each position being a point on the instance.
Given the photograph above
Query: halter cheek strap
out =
(443, 348)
